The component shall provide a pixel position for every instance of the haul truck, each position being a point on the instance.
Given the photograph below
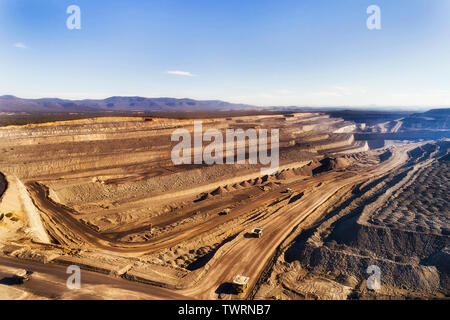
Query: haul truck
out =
(22, 274)
(257, 232)
(240, 283)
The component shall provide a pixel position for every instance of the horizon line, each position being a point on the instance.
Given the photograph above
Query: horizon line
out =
(366, 106)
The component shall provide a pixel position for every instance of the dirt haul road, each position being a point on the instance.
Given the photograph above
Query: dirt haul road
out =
(63, 218)
(247, 256)
(49, 281)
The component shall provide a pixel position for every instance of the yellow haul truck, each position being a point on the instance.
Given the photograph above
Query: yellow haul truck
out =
(240, 283)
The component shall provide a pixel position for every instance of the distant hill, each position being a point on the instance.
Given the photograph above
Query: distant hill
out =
(12, 104)
(119, 104)
(368, 117)
(433, 119)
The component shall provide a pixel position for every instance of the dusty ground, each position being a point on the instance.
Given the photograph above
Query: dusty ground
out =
(104, 194)
(398, 222)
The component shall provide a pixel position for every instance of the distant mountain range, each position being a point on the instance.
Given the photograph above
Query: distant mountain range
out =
(12, 104)
(432, 119)
(118, 104)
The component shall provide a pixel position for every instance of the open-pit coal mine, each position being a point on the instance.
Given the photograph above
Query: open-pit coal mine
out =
(347, 196)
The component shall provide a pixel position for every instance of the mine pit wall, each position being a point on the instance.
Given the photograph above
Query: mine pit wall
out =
(87, 126)
(92, 134)
(415, 261)
(377, 140)
(92, 131)
(390, 243)
(3, 185)
(74, 136)
(346, 129)
(340, 141)
(77, 161)
(358, 147)
(88, 265)
(408, 260)
(196, 276)
(154, 187)
(65, 165)
(415, 278)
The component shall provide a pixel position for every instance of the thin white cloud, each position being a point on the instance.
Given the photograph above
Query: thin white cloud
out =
(20, 45)
(181, 73)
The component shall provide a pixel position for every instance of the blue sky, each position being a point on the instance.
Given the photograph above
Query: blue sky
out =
(280, 52)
